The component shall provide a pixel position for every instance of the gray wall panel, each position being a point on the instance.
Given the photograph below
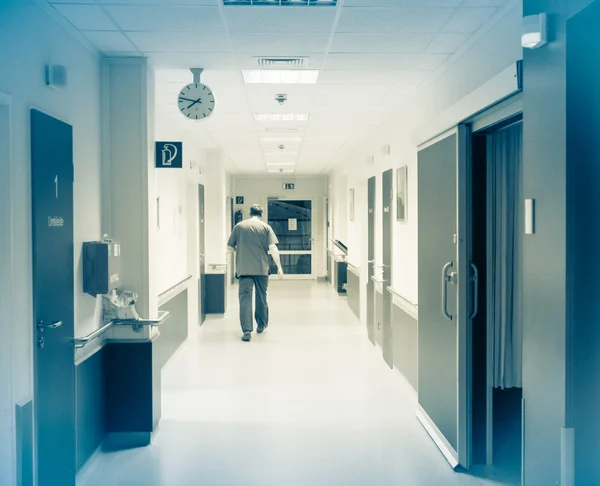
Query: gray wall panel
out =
(405, 344)
(544, 262)
(174, 331)
(583, 174)
(353, 293)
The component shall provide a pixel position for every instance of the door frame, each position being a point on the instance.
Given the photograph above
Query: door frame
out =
(313, 253)
(462, 456)
(492, 120)
(6, 334)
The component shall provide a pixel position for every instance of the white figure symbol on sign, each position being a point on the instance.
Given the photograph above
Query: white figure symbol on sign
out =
(169, 152)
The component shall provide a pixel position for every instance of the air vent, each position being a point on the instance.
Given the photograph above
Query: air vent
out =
(280, 3)
(282, 62)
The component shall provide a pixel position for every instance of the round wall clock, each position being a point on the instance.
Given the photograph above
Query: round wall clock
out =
(196, 101)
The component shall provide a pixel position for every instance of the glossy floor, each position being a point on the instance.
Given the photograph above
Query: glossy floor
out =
(308, 403)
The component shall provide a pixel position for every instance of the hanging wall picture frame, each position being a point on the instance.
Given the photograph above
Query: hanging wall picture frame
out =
(401, 193)
(351, 204)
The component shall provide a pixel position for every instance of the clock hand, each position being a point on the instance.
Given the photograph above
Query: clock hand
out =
(184, 99)
(197, 101)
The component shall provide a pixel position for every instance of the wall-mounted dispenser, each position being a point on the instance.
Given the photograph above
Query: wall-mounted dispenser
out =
(101, 266)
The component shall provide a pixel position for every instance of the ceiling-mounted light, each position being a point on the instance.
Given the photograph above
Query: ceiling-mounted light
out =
(535, 31)
(280, 171)
(280, 164)
(281, 76)
(281, 116)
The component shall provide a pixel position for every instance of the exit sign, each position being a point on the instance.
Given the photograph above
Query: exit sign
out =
(288, 186)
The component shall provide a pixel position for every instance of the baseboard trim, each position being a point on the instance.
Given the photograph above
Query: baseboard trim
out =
(440, 441)
(117, 441)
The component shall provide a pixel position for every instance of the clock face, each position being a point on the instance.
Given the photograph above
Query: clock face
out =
(196, 101)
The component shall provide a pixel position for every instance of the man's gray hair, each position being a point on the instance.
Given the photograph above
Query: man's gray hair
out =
(256, 210)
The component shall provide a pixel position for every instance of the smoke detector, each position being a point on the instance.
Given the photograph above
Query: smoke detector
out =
(281, 98)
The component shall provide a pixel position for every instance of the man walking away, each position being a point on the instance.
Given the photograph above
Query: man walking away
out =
(251, 240)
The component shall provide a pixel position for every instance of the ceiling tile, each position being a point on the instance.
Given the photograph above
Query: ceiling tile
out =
(279, 20)
(483, 3)
(402, 3)
(86, 17)
(280, 44)
(468, 20)
(380, 20)
(109, 41)
(163, 2)
(446, 43)
(179, 41)
(358, 77)
(156, 19)
(185, 60)
(408, 62)
(375, 43)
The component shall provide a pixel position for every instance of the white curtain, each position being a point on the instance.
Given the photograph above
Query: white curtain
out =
(505, 151)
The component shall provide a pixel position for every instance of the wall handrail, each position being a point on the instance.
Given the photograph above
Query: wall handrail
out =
(80, 342)
(170, 289)
(394, 292)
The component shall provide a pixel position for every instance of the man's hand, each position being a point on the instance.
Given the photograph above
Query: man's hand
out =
(279, 273)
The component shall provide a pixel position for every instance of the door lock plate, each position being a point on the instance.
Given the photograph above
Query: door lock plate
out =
(41, 342)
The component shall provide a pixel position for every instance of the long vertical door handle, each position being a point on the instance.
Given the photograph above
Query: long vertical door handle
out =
(475, 280)
(445, 280)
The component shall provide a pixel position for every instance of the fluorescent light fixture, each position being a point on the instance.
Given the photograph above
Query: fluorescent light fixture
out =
(281, 154)
(280, 164)
(535, 31)
(281, 76)
(279, 139)
(281, 116)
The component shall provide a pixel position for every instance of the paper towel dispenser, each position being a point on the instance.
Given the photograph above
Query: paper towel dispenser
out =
(101, 266)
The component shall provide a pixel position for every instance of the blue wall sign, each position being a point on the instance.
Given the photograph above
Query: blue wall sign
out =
(169, 155)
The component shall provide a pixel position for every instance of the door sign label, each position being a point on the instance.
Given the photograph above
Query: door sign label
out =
(292, 224)
(169, 155)
(55, 222)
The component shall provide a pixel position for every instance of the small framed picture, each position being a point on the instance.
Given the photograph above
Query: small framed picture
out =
(401, 193)
(351, 204)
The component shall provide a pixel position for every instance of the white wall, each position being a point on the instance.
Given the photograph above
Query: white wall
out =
(256, 190)
(487, 55)
(35, 39)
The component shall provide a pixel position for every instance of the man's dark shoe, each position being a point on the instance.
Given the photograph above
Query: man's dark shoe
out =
(261, 329)
(247, 336)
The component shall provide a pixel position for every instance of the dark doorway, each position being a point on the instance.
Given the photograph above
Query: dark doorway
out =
(497, 210)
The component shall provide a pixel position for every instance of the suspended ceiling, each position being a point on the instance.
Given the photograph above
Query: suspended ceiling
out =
(373, 55)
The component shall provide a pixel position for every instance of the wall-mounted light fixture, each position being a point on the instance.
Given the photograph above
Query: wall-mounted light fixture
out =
(535, 31)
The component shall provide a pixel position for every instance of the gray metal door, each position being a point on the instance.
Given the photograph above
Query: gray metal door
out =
(371, 259)
(202, 254)
(387, 183)
(53, 295)
(444, 281)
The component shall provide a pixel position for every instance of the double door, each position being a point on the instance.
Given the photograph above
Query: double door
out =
(292, 222)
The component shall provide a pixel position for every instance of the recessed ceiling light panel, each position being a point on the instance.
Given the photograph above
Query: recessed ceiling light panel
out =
(281, 76)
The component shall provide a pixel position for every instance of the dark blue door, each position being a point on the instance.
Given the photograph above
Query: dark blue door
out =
(202, 254)
(53, 313)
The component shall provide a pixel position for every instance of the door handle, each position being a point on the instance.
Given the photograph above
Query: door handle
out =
(445, 279)
(53, 325)
(475, 280)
